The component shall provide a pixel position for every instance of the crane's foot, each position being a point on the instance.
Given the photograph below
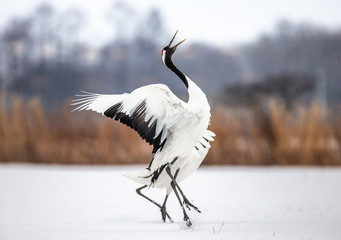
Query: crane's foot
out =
(165, 215)
(187, 221)
(189, 205)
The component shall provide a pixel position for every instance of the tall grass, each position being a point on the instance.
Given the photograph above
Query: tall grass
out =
(305, 136)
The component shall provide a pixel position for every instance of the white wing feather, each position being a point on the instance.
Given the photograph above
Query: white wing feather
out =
(161, 105)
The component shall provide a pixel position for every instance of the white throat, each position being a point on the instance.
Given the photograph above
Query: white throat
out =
(163, 57)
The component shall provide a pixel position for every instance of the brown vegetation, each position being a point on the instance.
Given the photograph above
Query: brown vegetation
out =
(307, 135)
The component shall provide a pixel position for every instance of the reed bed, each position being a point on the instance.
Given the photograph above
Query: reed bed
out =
(306, 135)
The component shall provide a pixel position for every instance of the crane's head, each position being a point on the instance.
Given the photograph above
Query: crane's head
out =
(168, 51)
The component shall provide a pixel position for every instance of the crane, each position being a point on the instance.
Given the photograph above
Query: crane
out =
(178, 130)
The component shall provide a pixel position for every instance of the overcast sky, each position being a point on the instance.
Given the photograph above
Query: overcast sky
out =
(219, 22)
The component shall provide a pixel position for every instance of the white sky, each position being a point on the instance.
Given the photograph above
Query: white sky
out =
(220, 22)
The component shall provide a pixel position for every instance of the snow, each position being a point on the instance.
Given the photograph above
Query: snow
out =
(57, 202)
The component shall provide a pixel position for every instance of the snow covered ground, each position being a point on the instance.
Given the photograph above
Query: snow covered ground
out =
(54, 202)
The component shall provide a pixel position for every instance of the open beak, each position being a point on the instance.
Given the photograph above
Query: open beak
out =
(170, 43)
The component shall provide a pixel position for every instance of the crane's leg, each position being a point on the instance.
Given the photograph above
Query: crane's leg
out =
(187, 203)
(164, 213)
(186, 218)
(162, 208)
(176, 187)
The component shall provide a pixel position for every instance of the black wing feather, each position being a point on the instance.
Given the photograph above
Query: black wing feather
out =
(137, 122)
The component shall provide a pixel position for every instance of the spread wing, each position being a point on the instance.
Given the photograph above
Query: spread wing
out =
(152, 111)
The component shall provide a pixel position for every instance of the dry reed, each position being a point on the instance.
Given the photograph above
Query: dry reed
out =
(274, 136)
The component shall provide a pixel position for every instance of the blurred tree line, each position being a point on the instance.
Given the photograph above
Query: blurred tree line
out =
(42, 54)
(296, 62)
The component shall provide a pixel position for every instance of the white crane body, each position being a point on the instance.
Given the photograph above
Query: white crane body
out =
(176, 129)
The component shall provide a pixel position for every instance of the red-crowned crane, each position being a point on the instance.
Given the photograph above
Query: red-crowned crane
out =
(176, 129)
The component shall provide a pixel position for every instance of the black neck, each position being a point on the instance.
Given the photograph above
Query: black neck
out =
(172, 67)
